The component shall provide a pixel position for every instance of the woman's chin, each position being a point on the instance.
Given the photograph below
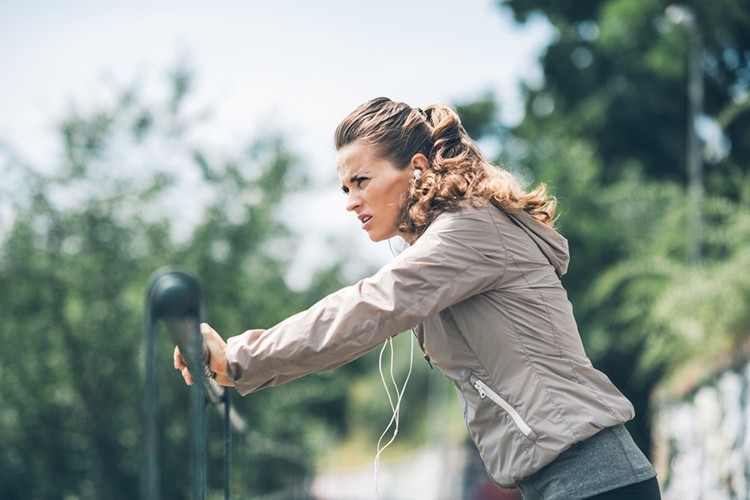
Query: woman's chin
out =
(377, 237)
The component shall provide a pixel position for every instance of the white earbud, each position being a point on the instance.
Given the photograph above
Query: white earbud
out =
(417, 174)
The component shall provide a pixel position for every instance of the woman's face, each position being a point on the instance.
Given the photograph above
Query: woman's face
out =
(375, 188)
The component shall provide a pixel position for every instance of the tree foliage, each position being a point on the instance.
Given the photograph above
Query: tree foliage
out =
(135, 190)
(616, 73)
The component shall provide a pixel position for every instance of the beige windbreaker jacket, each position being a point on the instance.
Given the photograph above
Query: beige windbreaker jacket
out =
(482, 289)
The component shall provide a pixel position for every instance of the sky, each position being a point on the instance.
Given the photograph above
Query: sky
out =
(294, 66)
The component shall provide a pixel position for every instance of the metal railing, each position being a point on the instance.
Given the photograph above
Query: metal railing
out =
(174, 299)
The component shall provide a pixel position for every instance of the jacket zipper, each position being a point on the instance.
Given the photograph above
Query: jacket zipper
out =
(420, 340)
(485, 391)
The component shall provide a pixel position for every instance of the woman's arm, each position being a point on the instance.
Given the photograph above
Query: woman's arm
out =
(458, 256)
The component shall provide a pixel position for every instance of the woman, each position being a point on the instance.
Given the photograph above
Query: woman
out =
(480, 285)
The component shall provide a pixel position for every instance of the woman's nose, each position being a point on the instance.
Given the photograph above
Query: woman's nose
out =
(352, 201)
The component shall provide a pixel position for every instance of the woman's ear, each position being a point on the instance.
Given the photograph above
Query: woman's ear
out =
(420, 161)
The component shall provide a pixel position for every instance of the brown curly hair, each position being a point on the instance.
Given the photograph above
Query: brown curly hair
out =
(458, 171)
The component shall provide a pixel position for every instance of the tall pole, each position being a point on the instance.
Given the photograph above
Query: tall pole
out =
(695, 157)
(684, 16)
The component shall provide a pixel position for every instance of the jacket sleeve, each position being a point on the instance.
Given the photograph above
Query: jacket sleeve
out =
(458, 256)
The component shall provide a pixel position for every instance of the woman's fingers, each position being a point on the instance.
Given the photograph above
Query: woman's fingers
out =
(186, 375)
(217, 349)
(180, 366)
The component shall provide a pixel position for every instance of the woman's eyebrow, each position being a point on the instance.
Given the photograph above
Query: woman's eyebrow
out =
(352, 179)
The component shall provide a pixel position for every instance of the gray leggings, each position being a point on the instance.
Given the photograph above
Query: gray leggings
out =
(645, 490)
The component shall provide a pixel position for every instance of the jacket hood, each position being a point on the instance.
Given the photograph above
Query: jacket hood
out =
(553, 245)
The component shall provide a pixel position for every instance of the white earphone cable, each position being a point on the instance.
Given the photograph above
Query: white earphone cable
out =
(394, 407)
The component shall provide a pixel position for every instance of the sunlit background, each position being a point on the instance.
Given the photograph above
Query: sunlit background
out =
(296, 67)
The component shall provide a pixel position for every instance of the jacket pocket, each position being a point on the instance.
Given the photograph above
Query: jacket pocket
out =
(486, 392)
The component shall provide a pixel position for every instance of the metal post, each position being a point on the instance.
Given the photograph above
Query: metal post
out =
(175, 299)
(680, 15)
(150, 471)
(227, 447)
(199, 442)
(199, 422)
(695, 160)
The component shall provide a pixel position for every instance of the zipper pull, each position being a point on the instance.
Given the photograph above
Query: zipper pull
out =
(480, 390)
(429, 361)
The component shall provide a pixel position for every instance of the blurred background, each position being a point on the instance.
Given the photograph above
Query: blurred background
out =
(137, 135)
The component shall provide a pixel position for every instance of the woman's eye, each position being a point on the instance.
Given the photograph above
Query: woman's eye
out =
(358, 182)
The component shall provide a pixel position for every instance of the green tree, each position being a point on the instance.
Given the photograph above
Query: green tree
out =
(616, 74)
(135, 190)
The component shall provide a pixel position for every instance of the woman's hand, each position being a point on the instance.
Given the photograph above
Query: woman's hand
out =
(217, 349)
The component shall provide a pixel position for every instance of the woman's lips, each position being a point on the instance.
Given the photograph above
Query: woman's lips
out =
(364, 219)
